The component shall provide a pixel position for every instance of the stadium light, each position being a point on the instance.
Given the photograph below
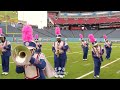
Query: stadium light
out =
(6, 22)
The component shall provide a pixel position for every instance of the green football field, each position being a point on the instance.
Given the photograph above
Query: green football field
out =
(75, 67)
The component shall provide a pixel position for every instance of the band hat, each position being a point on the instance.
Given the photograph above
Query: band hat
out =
(30, 45)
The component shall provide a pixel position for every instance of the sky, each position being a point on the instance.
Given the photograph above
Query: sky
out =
(34, 17)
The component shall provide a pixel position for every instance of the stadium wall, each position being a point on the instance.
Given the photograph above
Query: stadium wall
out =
(19, 39)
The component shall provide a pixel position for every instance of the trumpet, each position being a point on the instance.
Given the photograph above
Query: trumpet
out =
(21, 55)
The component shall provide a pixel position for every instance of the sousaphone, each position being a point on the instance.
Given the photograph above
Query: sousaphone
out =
(21, 55)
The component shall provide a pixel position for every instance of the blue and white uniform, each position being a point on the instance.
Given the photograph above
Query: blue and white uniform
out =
(60, 60)
(38, 47)
(97, 53)
(6, 53)
(108, 48)
(35, 69)
(85, 49)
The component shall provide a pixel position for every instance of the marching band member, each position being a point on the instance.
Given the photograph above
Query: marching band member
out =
(49, 70)
(97, 52)
(35, 68)
(59, 49)
(38, 45)
(85, 48)
(108, 48)
(6, 53)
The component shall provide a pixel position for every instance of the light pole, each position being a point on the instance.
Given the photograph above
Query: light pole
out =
(83, 30)
(6, 22)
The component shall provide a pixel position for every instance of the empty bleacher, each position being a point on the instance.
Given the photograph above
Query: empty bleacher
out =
(91, 21)
(67, 33)
(114, 34)
(84, 20)
(100, 33)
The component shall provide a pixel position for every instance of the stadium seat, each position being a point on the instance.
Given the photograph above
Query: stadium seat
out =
(113, 19)
(102, 20)
(91, 21)
(71, 21)
(60, 21)
(80, 21)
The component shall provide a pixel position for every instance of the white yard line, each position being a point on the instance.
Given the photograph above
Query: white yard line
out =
(49, 56)
(53, 56)
(87, 64)
(67, 53)
(72, 47)
(75, 62)
(93, 71)
(74, 52)
(47, 49)
(118, 72)
(116, 46)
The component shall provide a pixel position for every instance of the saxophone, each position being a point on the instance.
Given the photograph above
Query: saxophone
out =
(108, 44)
(37, 45)
(58, 50)
(0, 48)
(98, 53)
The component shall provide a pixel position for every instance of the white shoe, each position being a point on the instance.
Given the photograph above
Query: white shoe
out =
(3, 73)
(97, 76)
(61, 76)
(6, 73)
(56, 76)
(65, 73)
(83, 59)
(86, 59)
(94, 76)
